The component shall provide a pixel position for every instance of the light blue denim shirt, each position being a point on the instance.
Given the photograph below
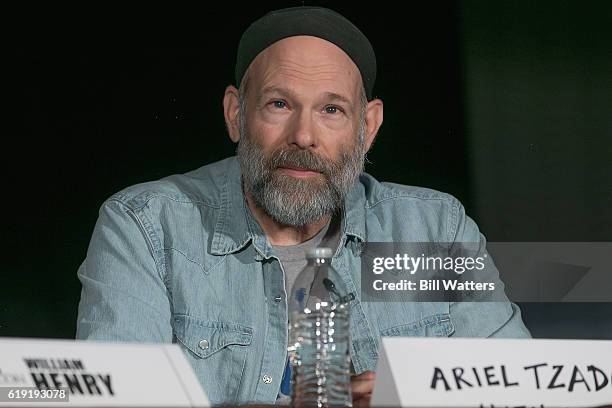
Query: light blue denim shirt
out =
(183, 260)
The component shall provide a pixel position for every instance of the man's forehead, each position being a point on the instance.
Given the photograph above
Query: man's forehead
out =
(307, 60)
(309, 51)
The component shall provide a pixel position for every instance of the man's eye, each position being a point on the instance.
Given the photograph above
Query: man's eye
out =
(279, 104)
(332, 109)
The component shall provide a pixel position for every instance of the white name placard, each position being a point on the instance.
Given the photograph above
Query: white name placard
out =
(96, 374)
(447, 372)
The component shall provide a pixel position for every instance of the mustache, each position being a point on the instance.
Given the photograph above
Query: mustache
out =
(303, 159)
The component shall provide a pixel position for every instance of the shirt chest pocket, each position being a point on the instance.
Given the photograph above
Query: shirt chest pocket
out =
(438, 325)
(217, 352)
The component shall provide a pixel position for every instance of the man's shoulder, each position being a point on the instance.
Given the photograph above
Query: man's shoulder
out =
(202, 186)
(405, 213)
(379, 193)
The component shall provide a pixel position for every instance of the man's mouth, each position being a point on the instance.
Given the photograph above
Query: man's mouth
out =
(298, 172)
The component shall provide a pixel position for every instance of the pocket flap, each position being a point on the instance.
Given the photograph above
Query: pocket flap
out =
(438, 325)
(204, 338)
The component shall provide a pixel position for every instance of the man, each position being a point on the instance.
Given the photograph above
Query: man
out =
(206, 259)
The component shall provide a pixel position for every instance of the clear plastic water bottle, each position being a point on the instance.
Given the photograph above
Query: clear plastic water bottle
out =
(319, 335)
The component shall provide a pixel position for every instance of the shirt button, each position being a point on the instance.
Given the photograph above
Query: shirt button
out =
(203, 344)
(278, 298)
(267, 379)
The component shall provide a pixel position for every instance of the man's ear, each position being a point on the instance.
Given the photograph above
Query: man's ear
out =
(374, 119)
(231, 111)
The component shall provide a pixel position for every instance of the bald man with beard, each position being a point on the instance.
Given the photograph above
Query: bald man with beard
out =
(206, 259)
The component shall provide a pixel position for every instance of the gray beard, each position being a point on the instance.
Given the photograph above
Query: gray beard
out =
(294, 201)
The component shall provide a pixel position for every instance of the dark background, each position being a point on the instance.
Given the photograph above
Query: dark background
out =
(506, 105)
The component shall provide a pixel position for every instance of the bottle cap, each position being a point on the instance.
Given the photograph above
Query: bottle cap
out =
(319, 252)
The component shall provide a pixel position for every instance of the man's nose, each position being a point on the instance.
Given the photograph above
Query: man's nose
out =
(303, 132)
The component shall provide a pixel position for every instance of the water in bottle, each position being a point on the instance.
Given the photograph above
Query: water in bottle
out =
(319, 335)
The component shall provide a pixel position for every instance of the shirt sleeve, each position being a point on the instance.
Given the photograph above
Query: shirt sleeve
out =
(483, 318)
(123, 295)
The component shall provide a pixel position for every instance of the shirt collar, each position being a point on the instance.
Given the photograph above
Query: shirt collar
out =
(236, 227)
(354, 219)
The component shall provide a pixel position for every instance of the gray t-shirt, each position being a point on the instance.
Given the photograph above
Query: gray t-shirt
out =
(293, 260)
(293, 257)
